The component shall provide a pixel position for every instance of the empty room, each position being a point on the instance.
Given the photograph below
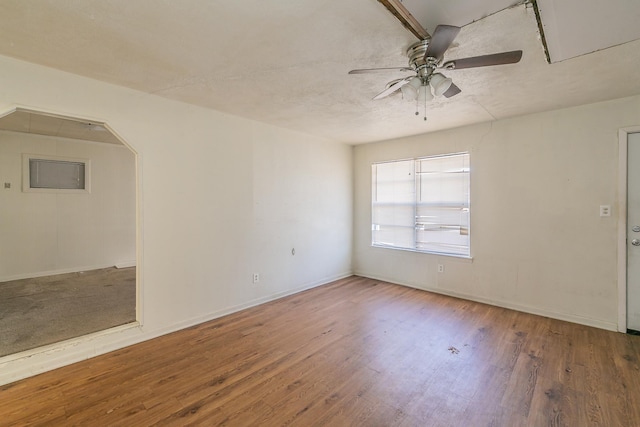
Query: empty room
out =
(373, 212)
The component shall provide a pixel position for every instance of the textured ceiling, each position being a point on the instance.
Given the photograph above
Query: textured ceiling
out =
(286, 62)
(431, 13)
(569, 25)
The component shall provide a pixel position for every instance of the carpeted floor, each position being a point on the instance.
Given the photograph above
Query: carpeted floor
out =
(44, 310)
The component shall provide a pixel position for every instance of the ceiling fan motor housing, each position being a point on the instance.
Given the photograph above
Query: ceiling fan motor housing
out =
(424, 66)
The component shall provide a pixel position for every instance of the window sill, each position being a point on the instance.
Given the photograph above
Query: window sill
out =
(459, 256)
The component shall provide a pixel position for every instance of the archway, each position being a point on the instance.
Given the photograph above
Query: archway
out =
(68, 227)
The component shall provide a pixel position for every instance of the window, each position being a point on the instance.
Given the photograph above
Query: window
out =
(47, 173)
(422, 204)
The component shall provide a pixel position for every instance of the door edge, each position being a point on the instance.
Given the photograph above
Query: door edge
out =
(623, 141)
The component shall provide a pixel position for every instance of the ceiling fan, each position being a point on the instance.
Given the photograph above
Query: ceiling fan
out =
(425, 60)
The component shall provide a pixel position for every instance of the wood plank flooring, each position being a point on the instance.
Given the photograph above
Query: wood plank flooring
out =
(353, 352)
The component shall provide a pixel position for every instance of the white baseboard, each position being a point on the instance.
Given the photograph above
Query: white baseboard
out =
(126, 264)
(54, 272)
(587, 321)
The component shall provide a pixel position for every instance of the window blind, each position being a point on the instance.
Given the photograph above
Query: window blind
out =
(422, 204)
(45, 173)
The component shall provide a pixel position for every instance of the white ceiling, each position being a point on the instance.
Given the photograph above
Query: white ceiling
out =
(285, 62)
(432, 13)
(578, 27)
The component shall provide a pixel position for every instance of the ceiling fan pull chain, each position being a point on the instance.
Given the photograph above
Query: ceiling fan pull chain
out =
(418, 108)
(425, 106)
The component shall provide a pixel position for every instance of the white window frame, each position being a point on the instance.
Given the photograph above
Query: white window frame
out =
(404, 209)
(26, 178)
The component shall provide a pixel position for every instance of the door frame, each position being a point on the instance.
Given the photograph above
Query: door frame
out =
(623, 143)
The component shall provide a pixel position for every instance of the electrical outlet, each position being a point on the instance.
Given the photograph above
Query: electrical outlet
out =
(605, 210)
(440, 268)
(7, 185)
(256, 277)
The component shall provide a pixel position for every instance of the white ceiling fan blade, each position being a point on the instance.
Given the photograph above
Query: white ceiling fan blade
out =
(375, 70)
(392, 88)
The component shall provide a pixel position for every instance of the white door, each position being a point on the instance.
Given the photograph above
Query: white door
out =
(633, 232)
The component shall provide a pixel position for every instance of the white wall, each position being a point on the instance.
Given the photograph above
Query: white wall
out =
(537, 240)
(220, 198)
(47, 233)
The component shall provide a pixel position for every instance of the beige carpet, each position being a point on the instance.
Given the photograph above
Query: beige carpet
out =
(44, 310)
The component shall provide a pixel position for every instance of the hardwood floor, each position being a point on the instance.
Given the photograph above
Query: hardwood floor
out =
(354, 352)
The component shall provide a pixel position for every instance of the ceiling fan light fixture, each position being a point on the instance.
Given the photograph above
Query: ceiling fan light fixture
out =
(408, 93)
(440, 84)
(424, 93)
(415, 83)
(410, 90)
